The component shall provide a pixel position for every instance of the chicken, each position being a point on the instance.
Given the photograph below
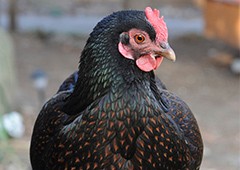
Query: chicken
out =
(113, 113)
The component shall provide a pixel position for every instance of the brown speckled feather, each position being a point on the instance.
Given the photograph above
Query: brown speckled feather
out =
(114, 135)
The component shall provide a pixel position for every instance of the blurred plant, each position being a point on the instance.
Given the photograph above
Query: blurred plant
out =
(8, 158)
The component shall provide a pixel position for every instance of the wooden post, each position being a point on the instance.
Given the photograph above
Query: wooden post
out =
(12, 13)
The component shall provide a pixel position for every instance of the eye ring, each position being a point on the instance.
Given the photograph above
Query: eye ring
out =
(139, 38)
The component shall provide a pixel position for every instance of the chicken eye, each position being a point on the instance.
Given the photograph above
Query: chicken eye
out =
(139, 38)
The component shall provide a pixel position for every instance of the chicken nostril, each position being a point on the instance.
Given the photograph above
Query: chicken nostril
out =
(164, 45)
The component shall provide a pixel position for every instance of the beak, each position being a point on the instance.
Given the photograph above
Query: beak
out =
(166, 51)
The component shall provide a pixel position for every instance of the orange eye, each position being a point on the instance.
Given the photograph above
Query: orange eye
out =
(139, 38)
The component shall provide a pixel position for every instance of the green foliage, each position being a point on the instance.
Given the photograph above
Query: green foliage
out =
(6, 71)
(3, 133)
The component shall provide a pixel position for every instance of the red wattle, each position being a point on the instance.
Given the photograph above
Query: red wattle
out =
(148, 63)
(158, 62)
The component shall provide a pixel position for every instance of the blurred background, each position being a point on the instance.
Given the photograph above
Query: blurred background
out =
(40, 45)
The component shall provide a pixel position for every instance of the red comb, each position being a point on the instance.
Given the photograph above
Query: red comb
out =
(158, 24)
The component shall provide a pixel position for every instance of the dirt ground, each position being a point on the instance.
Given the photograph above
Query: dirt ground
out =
(211, 91)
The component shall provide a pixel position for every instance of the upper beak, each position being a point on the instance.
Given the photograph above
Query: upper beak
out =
(167, 52)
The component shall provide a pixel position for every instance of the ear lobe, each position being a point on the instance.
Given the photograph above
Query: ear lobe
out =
(125, 51)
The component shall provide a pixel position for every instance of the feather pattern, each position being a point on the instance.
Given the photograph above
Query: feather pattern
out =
(112, 115)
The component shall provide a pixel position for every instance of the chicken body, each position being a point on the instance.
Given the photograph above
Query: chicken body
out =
(113, 113)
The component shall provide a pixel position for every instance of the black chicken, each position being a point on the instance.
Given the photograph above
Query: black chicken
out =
(113, 113)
